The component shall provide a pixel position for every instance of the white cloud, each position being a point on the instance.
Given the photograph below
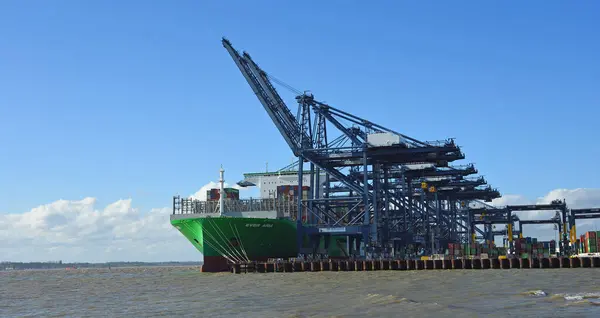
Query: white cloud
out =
(80, 231)
(201, 194)
(575, 198)
(511, 199)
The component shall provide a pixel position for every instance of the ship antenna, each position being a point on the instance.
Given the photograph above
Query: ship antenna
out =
(222, 190)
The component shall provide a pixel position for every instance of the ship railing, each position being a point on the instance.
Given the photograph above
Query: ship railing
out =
(284, 207)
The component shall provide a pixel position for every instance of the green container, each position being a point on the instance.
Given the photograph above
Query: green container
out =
(593, 249)
(591, 242)
(524, 255)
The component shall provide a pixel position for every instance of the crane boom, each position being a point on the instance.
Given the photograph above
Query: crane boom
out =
(269, 98)
(281, 108)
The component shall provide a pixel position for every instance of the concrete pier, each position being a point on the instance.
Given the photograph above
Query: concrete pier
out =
(403, 265)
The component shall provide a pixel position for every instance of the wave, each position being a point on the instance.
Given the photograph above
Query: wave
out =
(580, 296)
(538, 293)
(380, 299)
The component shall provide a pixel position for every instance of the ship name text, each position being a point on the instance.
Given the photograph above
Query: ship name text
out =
(259, 225)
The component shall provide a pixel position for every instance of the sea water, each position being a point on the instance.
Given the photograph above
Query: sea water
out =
(184, 291)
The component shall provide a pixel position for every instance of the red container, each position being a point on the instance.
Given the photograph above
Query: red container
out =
(287, 190)
(230, 193)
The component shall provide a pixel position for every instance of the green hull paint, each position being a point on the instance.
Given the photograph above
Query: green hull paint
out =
(258, 238)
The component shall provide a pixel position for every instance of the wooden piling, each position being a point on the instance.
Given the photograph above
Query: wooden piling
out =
(485, 263)
(376, 265)
(467, 263)
(420, 264)
(429, 264)
(447, 264)
(515, 263)
(457, 264)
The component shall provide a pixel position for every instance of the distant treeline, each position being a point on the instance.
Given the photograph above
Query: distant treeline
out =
(60, 264)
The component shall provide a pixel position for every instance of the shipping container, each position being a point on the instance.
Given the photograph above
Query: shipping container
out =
(230, 193)
(590, 235)
(291, 191)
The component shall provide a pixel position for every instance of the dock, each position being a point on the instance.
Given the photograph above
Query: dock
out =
(403, 265)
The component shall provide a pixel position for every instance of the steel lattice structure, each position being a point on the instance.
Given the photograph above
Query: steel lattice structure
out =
(382, 195)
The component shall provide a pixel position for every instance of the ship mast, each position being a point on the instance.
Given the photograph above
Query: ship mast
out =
(221, 190)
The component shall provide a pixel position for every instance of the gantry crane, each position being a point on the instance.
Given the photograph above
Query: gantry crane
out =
(372, 192)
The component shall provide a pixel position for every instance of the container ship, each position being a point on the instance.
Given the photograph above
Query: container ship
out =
(227, 229)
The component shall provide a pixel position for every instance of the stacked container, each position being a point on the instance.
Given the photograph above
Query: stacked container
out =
(291, 192)
(230, 193)
(589, 242)
(454, 250)
(475, 249)
(530, 248)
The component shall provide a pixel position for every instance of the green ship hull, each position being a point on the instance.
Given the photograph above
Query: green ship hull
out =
(223, 240)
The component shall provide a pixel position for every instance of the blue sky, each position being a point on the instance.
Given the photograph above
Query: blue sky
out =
(138, 99)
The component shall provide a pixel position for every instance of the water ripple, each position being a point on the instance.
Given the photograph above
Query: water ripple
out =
(184, 291)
